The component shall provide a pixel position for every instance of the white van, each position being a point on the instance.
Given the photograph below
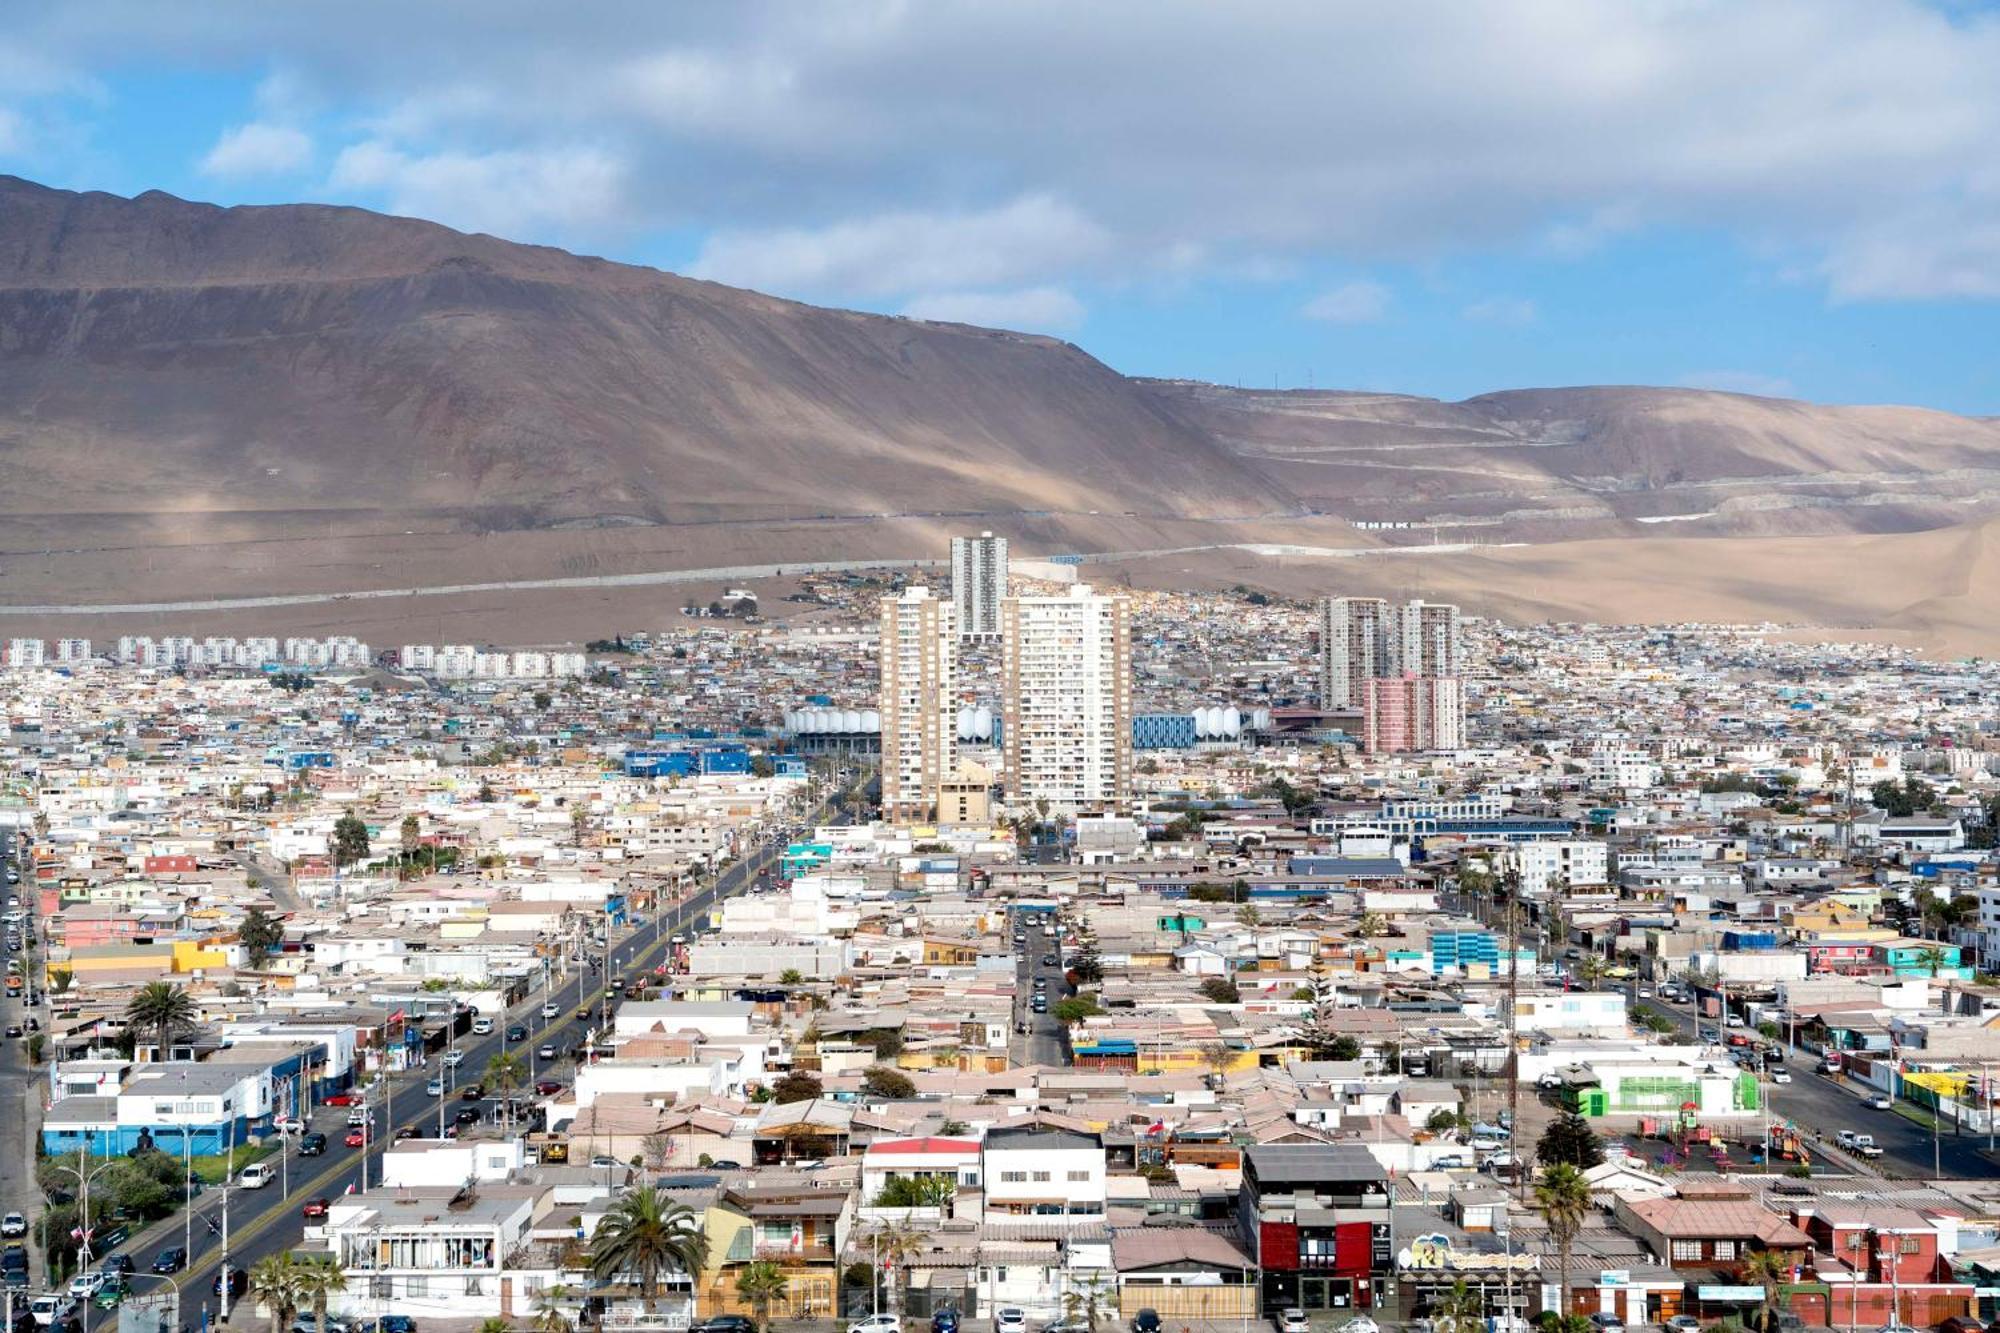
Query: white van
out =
(256, 1176)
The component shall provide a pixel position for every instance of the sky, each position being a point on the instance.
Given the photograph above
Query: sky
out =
(1443, 197)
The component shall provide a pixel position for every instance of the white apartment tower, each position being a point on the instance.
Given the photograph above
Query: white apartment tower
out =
(978, 584)
(1067, 672)
(1356, 643)
(919, 711)
(1427, 639)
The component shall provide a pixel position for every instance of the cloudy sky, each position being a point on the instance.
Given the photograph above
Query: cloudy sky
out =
(1439, 196)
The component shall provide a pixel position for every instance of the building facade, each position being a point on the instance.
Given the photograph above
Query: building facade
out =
(978, 584)
(1068, 707)
(1355, 638)
(919, 714)
(1404, 714)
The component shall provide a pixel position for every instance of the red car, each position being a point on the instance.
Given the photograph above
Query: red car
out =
(548, 1087)
(315, 1208)
(356, 1138)
(342, 1099)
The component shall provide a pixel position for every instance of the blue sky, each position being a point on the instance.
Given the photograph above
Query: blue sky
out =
(1798, 197)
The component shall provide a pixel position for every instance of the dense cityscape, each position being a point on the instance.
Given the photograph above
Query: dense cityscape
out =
(1001, 951)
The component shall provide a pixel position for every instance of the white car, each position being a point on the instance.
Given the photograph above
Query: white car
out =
(453, 1058)
(1010, 1319)
(47, 1309)
(289, 1125)
(1293, 1321)
(1780, 1076)
(256, 1176)
(876, 1323)
(551, 1009)
(1881, 1101)
(1361, 1323)
(434, 1087)
(13, 1224)
(84, 1285)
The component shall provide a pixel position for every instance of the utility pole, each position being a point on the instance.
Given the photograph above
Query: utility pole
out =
(1512, 880)
(228, 1162)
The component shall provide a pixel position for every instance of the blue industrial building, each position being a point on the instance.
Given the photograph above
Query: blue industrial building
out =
(1163, 731)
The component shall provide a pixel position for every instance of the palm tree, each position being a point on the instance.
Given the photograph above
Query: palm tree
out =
(550, 1317)
(1591, 970)
(505, 1072)
(648, 1235)
(315, 1278)
(274, 1281)
(1085, 1305)
(163, 1007)
(1563, 1195)
(759, 1284)
(1767, 1270)
(1462, 1310)
(898, 1246)
(495, 1324)
(1370, 925)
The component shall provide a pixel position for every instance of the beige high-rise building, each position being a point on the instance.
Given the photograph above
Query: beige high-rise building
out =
(918, 655)
(1427, 639)
(1356, 644)
(1067, 712)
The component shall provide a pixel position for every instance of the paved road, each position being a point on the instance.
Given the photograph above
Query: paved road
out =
(17, 1162)
(270, 876)
(1042, 1044)
(1813, 1101)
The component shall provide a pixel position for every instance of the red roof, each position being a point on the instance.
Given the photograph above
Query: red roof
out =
(915, 1146)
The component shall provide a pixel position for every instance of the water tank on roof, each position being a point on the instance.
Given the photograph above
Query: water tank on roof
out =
(871, 720)
(850, 721)
(1232, 722)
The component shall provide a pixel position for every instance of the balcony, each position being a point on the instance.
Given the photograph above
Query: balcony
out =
(805, 1252)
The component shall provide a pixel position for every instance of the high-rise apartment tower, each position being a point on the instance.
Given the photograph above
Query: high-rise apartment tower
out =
(1067, 711)
(918, 655)
(978, 583)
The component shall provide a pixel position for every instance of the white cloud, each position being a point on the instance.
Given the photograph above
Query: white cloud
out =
(1740, 381)
(509, 193)
(895, 254)
(1512, 312)
(258, 149)
(1360, 302)
(1033, 309)
(1301, 131)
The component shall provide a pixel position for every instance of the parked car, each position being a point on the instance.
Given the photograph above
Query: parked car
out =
(1146, 1321)
(944, 1320)
(305, 1323)
(1361, 1323)
(395, 1323)
(1684, 1323)
(1606, 1322)
(170, 1260)
(876, 1323)
(312, 1145)
(1010, 1318)
(725, 1323)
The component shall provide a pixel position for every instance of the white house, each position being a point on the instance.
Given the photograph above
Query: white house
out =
(435, 1253)
(1042, 1172)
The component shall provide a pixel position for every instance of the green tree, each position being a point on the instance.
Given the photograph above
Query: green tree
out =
(1075, 1009)
(261, 934)
(796, 1086)
(644, 1236)
(760, 1284)
(274, 1281)
(350, 839)
(1462, 1310)
(1221, 990)
(1444, 1120)
(887, 1083)
(494, 1324)
(927, 1191)
(163, 1007)
(1343, 1047)
(410, 836)
(1569, 1140)
(1768, 1271)
(551, 1310)
(505, 1072)
(1563, 1195)
(318, 1278)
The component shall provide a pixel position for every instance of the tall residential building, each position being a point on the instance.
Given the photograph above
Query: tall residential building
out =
(978, 583)
(1067, 666)
(1356, 643)
(919, 714)
(1403, 714)
(1427, 639)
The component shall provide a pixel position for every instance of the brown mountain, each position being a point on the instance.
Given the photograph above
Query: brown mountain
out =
(202, 403)
(158, 355)
(1539, 463)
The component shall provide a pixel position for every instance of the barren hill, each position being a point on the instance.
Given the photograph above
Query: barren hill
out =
(313, 363)
(1540, 463)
